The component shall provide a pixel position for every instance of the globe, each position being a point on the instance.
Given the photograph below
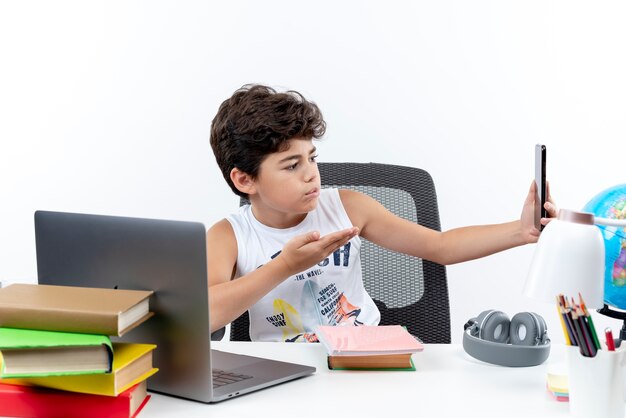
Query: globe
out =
(611, 203)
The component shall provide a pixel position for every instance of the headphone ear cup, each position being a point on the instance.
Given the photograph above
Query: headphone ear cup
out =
(494, 326)
(542, 334)
(527, 328)
(474, 323)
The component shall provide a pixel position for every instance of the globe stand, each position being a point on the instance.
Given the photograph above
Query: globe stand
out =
(606, 311)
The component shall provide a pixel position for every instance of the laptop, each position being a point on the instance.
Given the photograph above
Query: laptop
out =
(168, 257)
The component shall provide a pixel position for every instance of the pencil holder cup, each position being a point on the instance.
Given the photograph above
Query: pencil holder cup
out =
(596, 384)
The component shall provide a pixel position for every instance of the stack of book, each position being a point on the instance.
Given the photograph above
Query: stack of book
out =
(383, 347)
(558, 386)
(57, 358)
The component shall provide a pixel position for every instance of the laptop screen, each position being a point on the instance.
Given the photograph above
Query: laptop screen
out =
(168, 257)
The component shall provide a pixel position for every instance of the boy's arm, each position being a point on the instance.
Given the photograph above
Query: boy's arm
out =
(382, 227)
(230, 298)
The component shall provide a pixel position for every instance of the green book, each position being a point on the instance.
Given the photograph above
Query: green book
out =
(30, 353)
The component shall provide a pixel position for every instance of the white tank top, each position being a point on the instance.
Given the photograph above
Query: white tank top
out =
(329, 293)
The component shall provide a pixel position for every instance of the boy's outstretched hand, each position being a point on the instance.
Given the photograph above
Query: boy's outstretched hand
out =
(306, 250)
(529, 231)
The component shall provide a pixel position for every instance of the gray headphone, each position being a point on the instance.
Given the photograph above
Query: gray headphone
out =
(519, 342)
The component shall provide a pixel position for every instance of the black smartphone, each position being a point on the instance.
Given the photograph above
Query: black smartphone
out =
(540, 182)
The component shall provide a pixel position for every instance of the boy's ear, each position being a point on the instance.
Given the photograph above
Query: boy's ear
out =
(242, 181)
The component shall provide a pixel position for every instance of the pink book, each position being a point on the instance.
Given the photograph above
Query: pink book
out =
(367, 340)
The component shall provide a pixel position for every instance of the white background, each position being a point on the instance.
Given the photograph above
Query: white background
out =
(105, 107)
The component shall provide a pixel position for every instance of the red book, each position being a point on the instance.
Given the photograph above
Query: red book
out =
(34, 401)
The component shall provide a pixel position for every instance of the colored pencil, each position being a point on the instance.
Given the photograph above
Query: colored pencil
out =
(568, 318)
(584, 326)
(579, 335)
(564, 325)
(594, 334)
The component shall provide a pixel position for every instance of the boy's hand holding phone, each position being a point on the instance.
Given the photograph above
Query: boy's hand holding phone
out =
(539, 207)
(529, 229)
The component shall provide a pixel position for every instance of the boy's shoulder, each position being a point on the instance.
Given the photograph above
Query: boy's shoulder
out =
(221, 228)
(351, 196)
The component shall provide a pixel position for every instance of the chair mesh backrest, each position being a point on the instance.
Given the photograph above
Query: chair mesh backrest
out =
(406, 273)
(408, 291)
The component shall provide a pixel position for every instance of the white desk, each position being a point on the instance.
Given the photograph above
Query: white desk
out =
(447, 383)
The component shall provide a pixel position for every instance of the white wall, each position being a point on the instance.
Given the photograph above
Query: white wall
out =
(105, 107)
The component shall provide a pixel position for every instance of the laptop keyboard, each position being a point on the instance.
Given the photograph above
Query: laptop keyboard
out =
(222, 377)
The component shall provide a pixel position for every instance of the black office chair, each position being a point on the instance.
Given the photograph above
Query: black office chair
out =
(408, 291)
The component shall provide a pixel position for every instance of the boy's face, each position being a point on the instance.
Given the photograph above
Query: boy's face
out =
(288, 183)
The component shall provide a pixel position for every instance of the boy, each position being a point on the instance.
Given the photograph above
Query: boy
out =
(296, 244)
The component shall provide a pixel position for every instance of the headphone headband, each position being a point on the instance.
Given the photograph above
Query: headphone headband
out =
(505, 354)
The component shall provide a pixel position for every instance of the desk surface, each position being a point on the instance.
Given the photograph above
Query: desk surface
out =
(448, 382)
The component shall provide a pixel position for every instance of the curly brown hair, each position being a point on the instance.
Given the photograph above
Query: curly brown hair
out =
(256, 121)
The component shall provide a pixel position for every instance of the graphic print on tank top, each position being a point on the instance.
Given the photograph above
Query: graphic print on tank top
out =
(321, 302)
